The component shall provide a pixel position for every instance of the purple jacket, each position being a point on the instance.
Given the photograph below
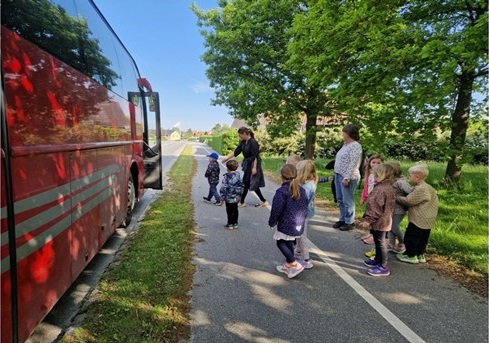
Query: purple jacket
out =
(289, 215)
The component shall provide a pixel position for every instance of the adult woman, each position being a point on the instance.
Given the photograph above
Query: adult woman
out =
(253, 177)
(347, 175)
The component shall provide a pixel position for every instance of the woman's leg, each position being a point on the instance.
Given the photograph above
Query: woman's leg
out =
(339, 196)
(260, 195)
(349, 201)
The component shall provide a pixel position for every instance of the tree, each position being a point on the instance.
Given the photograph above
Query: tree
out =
(246, 54)
(410, 66)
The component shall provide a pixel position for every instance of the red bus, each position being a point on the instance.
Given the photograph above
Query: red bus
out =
(80, 140)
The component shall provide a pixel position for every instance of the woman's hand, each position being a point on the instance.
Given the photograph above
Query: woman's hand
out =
(253, 171)
(345, 182)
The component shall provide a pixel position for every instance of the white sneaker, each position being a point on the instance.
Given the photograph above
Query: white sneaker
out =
(307, 264)
(294, 271)
(283, 269)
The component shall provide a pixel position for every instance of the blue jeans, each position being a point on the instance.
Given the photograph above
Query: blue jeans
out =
(344, 195)
(213, 192)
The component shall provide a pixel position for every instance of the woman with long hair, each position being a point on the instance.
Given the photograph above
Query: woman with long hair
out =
(253, 177)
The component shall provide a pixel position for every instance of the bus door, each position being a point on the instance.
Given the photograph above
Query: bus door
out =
(153, 177)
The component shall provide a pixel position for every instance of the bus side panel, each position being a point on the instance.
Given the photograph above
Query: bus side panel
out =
(87, 183)
(6, 312)
(42, 222)
(113, 203)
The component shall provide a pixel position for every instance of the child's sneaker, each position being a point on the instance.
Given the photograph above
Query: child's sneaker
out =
(390, 248)
(262, 204)
(241, 204)
(370, 263)
(283, 269)
(219, 203)
(206, 199)
(407, 259)
(230, 226)
(307, 264)
(235, 226)
(400, 249)
(379, 271)
(370, 253)
(294, 271)
(422, 258)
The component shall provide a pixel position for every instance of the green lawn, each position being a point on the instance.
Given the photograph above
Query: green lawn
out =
(461, 230)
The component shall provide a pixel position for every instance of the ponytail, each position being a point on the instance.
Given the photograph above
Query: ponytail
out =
(289, 173)
(295, 189)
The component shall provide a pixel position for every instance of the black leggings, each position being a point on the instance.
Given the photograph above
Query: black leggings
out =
(287, 249)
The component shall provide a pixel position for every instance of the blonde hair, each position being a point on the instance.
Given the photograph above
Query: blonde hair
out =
(368, 170)
(306, 170)
(420, 170)
(289, 173)
(383, 172)
(293, 159)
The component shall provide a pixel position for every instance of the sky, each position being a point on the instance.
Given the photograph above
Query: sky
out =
(164, 40)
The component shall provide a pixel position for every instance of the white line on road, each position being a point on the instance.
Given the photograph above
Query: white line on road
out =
(390, 317)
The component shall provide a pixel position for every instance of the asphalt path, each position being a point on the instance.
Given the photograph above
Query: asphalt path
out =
(238, 296)
(65, 312)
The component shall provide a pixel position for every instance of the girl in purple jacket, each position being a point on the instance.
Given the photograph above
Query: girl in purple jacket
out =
(287, 218)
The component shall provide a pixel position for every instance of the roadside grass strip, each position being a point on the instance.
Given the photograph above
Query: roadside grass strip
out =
(144, 296)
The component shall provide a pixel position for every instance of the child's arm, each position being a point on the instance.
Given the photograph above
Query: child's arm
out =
(278, 206)
(224, 186)
(416, 197)
(404, 186)
(208, 171)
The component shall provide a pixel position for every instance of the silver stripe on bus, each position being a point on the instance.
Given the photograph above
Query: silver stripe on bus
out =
(63, 190)
(45, 237)
(50, 196)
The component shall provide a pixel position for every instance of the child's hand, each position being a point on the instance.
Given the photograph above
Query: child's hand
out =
(271, 228)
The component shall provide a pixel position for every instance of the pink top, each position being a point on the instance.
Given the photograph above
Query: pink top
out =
(367, 188)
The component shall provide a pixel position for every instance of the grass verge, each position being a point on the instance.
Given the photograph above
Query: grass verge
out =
(144, 296)
(460, 234)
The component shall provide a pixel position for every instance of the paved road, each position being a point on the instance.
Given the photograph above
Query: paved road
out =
(238, 296)
(62, 315)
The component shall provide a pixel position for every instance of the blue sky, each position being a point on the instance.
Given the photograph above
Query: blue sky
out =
(163, 38)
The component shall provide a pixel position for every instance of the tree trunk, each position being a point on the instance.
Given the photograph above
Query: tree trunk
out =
(311, 123)
(460, 123)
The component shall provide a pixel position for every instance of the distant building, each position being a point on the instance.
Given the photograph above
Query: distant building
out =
(171, 135)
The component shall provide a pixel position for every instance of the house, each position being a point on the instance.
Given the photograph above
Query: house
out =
(171, 135)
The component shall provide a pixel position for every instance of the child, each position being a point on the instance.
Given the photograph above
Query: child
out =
(368, 185)
(293, 159)
(287, 217)
(401, 188)
(308, 178)
(422, 204)
(231, 191)
(378, 217)
(212, 175)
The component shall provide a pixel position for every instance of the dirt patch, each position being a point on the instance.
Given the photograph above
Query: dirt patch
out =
(471, 280)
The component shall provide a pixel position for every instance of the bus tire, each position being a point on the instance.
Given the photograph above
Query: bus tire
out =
(131, 201)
